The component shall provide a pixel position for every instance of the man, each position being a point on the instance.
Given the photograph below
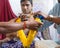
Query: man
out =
(55, 12)
(26, 6)
(53, 17)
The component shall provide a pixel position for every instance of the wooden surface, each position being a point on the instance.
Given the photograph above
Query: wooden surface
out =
(46, 44)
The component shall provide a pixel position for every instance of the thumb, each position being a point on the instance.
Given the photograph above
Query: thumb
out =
(13, 20)
(40, 23)
(31, 18)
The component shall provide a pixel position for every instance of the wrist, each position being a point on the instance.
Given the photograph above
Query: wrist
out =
(27, 24)
(49, 18)
(24, 25)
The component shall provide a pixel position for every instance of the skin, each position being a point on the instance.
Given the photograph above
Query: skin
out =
(26, 7)
(11, 26)
(55, 19)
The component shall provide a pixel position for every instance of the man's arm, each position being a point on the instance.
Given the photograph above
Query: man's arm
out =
(10, 27)
(54, 19)
(13, 27)
(48, 20)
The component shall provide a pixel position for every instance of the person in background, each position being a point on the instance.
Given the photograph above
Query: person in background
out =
(52, 17)
(55, 11)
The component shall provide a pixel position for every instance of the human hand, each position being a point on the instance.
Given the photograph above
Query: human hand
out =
(9, 36)
(4, 40)
(13, 20)
(39, 13)
(33, 24)
(25, 17)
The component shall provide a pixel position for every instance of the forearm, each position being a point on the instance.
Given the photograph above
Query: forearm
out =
(13, 27)
(54, 19)
(10, 27)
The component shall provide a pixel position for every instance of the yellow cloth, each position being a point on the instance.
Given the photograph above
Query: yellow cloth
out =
(26, 41)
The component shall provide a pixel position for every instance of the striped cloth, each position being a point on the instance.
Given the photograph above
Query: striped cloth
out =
(15, 44)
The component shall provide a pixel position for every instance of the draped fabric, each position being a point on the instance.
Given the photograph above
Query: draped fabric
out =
(6, 13)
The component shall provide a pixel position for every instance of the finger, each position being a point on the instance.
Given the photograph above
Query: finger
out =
(31, 18)
(13, 20)
(5, 40)
(40, 23)
(35, 28)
